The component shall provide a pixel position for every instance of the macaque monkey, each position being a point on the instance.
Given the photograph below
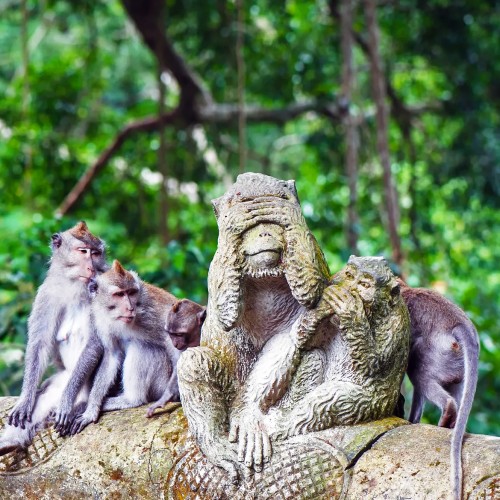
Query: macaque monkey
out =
(129, 319)
(183, 325)
(58, 332)
(442, 366)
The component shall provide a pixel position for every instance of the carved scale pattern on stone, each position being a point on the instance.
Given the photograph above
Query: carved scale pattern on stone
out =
(44, 445)
(303, 468)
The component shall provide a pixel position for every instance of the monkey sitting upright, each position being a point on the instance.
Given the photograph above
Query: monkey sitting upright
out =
(183, 325)
(442, 365)
(129, 319)
(58, 332)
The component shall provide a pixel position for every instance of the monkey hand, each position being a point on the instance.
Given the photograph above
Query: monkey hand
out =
(21, 413)
(81, 421)
(272, 210)
(341, 302)
(234, 221)
(65, 415)
(166, 397)
(254, 445)
(63, 418)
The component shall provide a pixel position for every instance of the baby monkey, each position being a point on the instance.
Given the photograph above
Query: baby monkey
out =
(442, 365)
(183, 325)
(129, 318)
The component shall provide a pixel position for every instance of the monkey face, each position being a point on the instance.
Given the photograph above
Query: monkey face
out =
(358, 281)
(183, 324)
(81, 260)
(263, 246)
(117, 291)
(122, 303)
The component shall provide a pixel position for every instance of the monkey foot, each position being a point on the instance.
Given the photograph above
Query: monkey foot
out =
(9, 446)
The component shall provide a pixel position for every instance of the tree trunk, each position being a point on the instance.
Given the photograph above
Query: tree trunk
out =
(351, 132)
(162, 147)
(240, 64)
(126, 455)
(382, 115)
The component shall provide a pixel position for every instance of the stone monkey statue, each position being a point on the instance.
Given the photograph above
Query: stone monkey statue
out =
(58, 332)
(268, 340)
(363, 363)
(263, 276)
(129, 319)
(442, 366)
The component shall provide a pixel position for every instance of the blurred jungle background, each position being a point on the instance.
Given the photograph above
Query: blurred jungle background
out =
(134, 115)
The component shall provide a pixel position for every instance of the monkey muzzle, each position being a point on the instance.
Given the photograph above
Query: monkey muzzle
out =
(264, 259)
(263, 245)
(126, 319)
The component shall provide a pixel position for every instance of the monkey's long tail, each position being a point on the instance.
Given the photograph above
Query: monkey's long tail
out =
(469, 342)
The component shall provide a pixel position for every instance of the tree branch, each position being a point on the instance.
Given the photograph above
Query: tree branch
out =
(145, 125)
(214, 114)
(144, 15)
(196, 104)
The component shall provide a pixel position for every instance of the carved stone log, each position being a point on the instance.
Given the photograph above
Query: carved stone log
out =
(126, 455)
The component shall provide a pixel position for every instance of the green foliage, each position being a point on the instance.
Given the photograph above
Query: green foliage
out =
(89, 74)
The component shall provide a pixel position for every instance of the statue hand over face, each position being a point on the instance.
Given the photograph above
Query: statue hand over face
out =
(273, 210)
(254, 446)
(237, 219)
(344, 306)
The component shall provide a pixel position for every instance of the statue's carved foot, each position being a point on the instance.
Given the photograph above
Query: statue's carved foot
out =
(222, 454)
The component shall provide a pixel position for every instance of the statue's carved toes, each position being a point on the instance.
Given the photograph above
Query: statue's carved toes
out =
(302, 467)
(16, 460)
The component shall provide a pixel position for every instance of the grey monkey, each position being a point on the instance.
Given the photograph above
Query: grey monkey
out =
(442, 365)
(58, 332)
(129, 319)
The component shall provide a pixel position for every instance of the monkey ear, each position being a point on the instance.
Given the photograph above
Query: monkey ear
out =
(291, 186)
(201, 316)
(118, 268)
(92, 287)
(56, 241)
(395, 290)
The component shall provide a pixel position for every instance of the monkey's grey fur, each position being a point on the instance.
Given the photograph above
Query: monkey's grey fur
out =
(58, 331)
(442, 365)
(141, 346)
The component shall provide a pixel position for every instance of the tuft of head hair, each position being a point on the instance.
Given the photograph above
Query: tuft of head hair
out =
(376, 266)
(81, 232)
(119, 276)
(118, 268)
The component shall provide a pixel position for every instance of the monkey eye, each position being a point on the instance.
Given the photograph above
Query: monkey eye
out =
(175, 334)
(365, 284)
(83, 250)
(119, 294)
(133, 292)
(348, 275)
(96, 252)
